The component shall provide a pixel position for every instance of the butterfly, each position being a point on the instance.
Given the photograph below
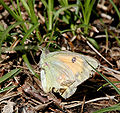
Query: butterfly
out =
(63, 71)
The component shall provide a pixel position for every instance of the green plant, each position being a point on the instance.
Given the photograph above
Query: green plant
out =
(114, 107)
(86, 11)
(16, 14)
(7, 76)
(108, 109)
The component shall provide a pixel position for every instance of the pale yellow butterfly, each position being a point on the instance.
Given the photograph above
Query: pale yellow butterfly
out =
(63, 71)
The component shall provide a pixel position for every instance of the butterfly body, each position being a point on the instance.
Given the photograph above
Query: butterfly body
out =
(63, 71)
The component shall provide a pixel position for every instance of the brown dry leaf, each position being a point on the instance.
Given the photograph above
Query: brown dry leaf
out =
(118, 64)
(9, 107)
(115, 53)
(112, 72)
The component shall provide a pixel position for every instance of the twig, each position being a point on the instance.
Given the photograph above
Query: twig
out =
(78, 103)
(83, 104)
(99, 54)
(10, 95)
(110, 71)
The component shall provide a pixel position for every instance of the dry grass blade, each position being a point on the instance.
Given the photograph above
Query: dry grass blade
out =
(79, 103)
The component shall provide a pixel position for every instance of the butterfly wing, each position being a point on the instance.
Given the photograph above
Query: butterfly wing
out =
(65, 70)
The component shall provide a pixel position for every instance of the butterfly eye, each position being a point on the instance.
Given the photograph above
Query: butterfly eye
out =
(74, 59)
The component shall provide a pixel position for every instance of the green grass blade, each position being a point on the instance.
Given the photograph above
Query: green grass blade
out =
(63, 2)
(4, 34)
(1, 27)
(29, 66)
(29, 32)
(9, 75)
(117, 90)
(117, 39)
(116, 9)
(8, 29)
(26, 7)
(6, 89)
(33, 17)
(106, 33)
(50, 14)
(89, 11)
(32, 12)
(107, 85)
(15, 10)
(45, 3)
(83, 11)
(56, 14)
(77, 9)
(86, 6)
(94, 43)
(25, 47)
(21, 48)
(19, 11)
(10, 11)
(112, 108)
(13, 14)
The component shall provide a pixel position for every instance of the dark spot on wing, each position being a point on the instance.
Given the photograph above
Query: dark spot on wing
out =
(74, 59)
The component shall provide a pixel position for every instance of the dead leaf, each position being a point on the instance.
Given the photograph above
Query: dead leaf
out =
(8, 108)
